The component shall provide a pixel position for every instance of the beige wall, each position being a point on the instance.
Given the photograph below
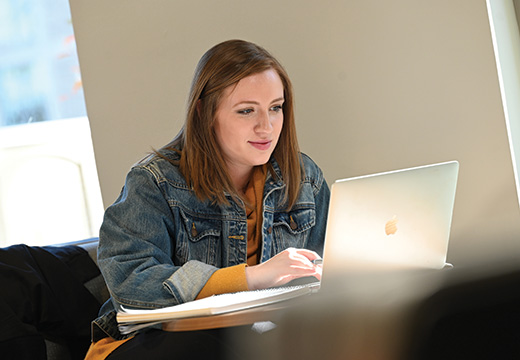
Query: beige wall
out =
(379, 85)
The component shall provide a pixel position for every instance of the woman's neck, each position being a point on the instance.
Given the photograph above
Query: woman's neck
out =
(240, 179)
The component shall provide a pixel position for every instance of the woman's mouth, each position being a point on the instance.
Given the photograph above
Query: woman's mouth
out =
(261, 145)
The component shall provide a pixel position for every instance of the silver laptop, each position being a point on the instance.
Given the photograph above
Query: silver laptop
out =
(393, 220)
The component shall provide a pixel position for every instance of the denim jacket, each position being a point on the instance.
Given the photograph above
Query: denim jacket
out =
(159, 244)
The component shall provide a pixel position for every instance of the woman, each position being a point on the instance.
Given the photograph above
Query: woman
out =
(229, 205)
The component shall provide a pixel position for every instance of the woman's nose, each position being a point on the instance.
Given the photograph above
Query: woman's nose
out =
(264, 122)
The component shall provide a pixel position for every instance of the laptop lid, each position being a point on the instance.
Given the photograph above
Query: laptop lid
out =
(392, 220)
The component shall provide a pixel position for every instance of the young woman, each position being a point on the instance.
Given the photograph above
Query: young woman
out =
(229, 205)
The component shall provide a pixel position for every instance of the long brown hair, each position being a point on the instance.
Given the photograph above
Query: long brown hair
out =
(202, 162)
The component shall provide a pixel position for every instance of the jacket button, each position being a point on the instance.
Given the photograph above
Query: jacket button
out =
(194, 231)
(270, 229)
(293, 224)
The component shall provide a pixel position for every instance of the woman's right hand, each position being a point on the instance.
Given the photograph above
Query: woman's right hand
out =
(287, 265)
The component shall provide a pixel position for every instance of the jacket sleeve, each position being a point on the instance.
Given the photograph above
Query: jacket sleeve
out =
(321, 192)
(136, 247)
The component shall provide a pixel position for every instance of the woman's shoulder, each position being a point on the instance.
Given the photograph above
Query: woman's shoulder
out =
(313, 173)
(312, 170)
(163, 164)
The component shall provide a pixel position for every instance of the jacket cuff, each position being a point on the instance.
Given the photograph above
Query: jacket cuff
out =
(186, 282)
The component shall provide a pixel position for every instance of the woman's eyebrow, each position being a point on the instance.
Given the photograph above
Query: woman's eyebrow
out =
(252, 102)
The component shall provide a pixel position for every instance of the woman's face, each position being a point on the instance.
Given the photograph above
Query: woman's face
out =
(249, 120)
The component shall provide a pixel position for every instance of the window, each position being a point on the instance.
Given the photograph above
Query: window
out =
(506, 42)
(49, 191)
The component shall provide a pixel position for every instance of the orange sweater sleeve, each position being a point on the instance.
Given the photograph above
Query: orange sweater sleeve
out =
(225, 280)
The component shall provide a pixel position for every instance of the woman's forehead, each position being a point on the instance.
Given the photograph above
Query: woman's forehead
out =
(259, 87)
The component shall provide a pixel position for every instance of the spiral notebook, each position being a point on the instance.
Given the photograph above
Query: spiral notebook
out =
(130, 320)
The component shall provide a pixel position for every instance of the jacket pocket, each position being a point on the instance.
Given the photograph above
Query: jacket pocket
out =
(200, 239)
(291, 229)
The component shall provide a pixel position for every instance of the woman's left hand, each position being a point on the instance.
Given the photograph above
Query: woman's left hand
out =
(288, 265)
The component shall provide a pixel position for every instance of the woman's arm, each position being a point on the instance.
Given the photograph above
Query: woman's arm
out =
(137, 244)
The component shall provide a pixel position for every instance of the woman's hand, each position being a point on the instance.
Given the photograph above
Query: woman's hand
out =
(288, 265)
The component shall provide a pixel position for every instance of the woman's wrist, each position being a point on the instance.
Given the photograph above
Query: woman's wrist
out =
(250, 277)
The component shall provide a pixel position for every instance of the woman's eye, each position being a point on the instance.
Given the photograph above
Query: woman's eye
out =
(276, 108)
(245, 111)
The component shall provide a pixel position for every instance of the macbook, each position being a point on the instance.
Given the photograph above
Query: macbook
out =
(392, 220)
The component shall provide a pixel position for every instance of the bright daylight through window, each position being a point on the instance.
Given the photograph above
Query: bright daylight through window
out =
(49, 190)
(503, 18)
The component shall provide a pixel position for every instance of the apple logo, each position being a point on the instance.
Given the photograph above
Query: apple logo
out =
(391, 226)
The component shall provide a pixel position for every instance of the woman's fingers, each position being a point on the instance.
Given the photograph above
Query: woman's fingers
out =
(288, 265)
